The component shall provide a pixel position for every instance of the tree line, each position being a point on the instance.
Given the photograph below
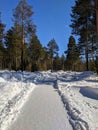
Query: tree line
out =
(20, 48)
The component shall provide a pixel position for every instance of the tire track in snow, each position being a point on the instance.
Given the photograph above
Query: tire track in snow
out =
(43, 111)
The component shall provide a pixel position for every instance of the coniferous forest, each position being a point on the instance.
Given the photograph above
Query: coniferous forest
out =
(20, 48)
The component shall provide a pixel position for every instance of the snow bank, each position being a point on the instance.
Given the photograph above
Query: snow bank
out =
(2, 80)
(14, 92)
(90, 92)
(82, 110)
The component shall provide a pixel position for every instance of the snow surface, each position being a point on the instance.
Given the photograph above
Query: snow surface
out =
(78, 91)
(13, 94)
(43, 111)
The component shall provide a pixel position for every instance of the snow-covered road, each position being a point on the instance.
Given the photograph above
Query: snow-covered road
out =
(43, 111)
(23, 92)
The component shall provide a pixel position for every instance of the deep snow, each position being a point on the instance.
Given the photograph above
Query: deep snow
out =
(78, 91)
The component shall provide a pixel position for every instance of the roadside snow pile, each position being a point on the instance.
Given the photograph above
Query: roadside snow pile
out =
(82, 109)
(13, 94)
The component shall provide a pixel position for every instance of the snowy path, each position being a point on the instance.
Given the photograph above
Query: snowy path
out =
(43, 111)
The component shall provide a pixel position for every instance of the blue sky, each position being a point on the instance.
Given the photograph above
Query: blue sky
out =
(52, 18)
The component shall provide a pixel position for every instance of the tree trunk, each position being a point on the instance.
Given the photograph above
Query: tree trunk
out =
(87, 67)
(22, 51)
(87, 49)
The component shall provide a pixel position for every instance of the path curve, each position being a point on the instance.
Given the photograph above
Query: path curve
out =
(43, 111)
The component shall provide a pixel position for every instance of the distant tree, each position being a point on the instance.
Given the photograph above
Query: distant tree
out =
(53, 49)
(13, 48)
(2, 27)
(23, 17)
(36, 53)
(2, 49)
(96, 4)
(44, 58)
(2, 56)
(63, 61)
(57, 63)
(72, 54)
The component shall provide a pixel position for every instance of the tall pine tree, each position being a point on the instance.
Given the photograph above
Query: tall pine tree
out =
(52, 49)
(36, 53)
(13, 48)
(83, 25)
(23, 17)
(2, 49)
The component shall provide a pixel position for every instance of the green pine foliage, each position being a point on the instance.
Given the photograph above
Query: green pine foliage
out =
(72, 54)
(13, 48)
(37, 54)
(2, 49)
(52, 49)
(57, 63)
(83, 25)
(2, 56)
(23, 17)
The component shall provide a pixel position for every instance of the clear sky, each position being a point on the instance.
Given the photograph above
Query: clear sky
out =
(52, 18)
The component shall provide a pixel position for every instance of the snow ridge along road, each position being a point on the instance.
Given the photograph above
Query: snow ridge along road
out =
(43, 111)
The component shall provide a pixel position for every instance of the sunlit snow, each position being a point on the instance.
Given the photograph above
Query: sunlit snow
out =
(78, 91)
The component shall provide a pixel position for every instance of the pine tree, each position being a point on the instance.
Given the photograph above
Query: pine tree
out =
(13, 47)
(96, 8)
(23, 17)
(57, 63)
(63, 62)
(83, 25)
(36, 53)
(72, 54)
(2, 49)
(53, 49)
(96, 4)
